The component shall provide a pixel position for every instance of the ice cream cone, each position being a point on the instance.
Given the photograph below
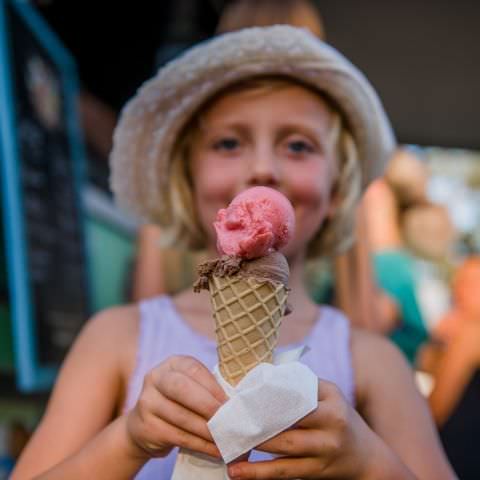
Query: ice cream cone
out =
(247, 313)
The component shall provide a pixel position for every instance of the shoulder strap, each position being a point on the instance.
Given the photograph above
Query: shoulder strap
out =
(152, 331)
(330, 354)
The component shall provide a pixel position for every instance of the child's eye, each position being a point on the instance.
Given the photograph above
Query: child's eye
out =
(227, 144)
(300, 146)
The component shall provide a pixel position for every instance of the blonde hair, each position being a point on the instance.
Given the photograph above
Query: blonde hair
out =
(336, 233)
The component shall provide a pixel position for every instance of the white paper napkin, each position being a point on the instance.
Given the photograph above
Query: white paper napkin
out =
(268, 400)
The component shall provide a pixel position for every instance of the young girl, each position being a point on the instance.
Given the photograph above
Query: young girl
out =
(264, 106)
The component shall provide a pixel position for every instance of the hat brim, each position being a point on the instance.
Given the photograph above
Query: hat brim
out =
(151, 121)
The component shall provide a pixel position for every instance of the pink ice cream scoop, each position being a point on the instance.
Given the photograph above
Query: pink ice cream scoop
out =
(257, 222)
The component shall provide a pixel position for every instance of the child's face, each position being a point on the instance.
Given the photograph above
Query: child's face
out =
(278, 138)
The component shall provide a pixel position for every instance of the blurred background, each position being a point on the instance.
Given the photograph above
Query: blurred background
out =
(66, 251)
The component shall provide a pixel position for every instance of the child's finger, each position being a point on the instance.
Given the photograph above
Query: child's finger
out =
(185, 391)
(280, 468)
(200, 373)
(183, 418)
(328, 390)
(326, 415)
(332, 409)
(300, 443)
(181, 438)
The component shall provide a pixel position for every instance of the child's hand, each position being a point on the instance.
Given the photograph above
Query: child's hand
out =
(178, 398)
(331, 442)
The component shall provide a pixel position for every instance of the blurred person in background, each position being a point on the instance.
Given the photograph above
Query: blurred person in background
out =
(407, 175)
(453, 359)
(394, 268)
(262, 13)
(431, 238)
(413, 240)
(429, 232)
(356, 290)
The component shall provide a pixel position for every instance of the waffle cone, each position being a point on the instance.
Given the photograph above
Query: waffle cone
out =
(247, 316)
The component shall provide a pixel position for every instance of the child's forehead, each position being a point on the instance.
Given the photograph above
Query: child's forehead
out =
(250, 97)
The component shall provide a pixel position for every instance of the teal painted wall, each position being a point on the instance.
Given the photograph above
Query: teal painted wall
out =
(110, 251)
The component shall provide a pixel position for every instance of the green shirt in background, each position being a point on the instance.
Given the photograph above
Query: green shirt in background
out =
(394, 271)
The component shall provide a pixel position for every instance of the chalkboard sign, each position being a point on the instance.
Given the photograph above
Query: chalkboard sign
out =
(41, 158)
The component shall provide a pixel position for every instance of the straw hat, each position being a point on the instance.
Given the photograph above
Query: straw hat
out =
(152, 119)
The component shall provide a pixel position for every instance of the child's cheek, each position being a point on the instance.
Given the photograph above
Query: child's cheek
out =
(218, 184)
(309, 188)
(217, 173)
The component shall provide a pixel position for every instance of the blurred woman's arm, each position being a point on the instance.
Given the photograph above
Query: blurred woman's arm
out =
(455, 369)
(357, 290)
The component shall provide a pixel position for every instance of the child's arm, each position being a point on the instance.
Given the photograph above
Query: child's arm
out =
(393, 407)
(76, 437)
(394, 440)
(110, 454)
(85, 396)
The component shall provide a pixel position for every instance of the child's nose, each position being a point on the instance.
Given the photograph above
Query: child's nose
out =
(264, 169)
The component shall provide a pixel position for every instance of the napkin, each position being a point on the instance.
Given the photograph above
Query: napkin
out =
(268, 400)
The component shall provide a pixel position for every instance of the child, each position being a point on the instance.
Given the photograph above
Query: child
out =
(264, 106)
